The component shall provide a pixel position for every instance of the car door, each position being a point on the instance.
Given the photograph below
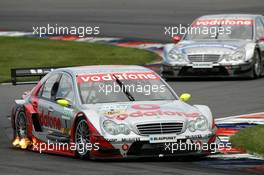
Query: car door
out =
(47, 121)
(64, 113)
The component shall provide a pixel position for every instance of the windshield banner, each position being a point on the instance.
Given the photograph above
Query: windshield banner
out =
(223, 22)
(120, 76)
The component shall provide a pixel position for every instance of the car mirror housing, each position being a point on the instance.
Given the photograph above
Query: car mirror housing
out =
(185, 97)
(63, 102)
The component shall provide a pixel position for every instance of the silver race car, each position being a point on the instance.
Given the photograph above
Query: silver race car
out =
(110, 111)
(218, 46)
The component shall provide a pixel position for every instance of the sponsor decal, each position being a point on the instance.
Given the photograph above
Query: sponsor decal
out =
(150, 110)
(130, 139)
(199, 136)
(111, 110)
(40, 71)
(162, 139)
(223, 22)
(202, 65)
(123, 139)
(49, 121)
(111, 140)
(121, 76)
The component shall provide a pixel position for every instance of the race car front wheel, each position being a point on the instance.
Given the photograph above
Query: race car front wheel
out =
(82, 139)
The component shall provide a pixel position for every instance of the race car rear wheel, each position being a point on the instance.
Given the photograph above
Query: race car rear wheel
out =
(21, 125)
(82, 139)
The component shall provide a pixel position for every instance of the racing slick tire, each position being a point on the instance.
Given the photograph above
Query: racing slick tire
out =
(257, 66)
(20, 129)
(81, 139)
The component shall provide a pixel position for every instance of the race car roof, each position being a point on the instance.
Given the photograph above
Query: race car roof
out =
(241, 16)
(104, 69)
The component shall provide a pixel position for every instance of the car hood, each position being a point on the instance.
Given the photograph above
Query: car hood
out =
(211, 47)
(133, 113)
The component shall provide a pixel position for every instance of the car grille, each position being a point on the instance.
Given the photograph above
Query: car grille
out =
(160, 128)
(204, 58)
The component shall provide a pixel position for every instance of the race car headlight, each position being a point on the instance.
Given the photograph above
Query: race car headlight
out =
(114, 128)
(199, 123)
(191, 126)
(173, 55)
(237, 56)
(124, 129)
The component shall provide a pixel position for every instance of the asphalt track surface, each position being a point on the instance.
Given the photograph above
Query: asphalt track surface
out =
(125, 18)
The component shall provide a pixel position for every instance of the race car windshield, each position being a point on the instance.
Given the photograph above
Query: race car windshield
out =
(233, 29)
(131, 90)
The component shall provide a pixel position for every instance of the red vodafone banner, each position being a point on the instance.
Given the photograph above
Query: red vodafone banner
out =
(223, 22)
(121, 76)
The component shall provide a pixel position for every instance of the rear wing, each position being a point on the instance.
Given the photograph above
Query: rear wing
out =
(29, 72)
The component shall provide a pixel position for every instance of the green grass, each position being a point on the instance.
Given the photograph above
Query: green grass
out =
(22, 52)
(250, 139)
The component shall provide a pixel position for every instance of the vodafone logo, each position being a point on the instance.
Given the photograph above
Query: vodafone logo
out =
(120, 76)
(151, 110)
(226, 22)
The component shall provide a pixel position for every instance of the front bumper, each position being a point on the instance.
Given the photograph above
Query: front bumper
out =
(242, 70)
(141, 146)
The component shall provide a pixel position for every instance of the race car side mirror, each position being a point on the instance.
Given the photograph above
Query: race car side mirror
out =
(261, 39)
(63, 102)
(185, 97)
(176, 39)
